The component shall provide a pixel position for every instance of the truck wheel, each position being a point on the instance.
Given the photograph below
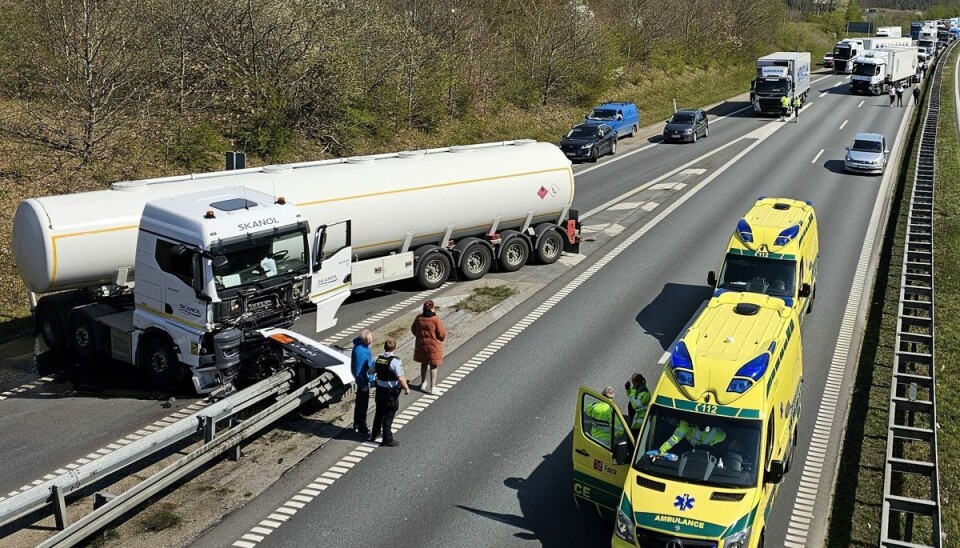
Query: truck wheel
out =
(476, 262)
(83, 336)
(513, 254)
(51, 328)
(163, 367)
(549, 247)
(433, 270)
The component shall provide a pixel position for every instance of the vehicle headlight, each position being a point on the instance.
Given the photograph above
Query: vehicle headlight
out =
(624, 527)
(739, 540)
(229, 308)
(848, 158)
(690, 130)
(588, 145)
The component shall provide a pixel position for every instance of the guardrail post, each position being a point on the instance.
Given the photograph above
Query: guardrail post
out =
(102, 497)
(59, 508)
(233, 453)
(209, 429)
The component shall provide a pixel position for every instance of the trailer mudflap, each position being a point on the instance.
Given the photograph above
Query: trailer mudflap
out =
(311, 353)
(572, 243)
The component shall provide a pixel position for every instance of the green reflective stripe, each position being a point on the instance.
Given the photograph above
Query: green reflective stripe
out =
(602, 493)
(678, 524)
(749, 253)
(722, 410)
(744, 522)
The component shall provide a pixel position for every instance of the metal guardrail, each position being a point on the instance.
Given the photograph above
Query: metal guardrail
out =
(911, 460)
(52, 494)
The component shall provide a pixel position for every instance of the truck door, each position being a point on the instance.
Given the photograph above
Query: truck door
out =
(331, 271)
(598, 428)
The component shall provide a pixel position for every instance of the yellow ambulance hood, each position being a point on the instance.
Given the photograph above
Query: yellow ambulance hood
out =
(690, 510)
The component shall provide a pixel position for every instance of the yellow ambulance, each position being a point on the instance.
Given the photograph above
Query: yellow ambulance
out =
(718, 437)
(774, 251)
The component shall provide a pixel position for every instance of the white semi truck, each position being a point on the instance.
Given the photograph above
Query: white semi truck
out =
(877, 70)
(845, 52)
(784, 73)
(889, 32)
(224, 261)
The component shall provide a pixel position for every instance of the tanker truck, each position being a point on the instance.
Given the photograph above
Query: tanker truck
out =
(204, 273)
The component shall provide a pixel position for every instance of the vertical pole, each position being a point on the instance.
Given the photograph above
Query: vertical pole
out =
(234, 452)
(59, 508)
(209, 429)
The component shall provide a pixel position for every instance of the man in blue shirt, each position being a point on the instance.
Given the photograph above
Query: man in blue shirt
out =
(361, 361)
(389, 380)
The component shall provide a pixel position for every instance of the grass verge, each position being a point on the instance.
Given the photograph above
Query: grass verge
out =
(486, 297)
(858, 495)
(163, 517)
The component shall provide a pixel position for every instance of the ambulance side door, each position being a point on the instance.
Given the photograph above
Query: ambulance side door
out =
(597, 478)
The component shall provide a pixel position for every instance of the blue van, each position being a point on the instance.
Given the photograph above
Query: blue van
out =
(624, 118)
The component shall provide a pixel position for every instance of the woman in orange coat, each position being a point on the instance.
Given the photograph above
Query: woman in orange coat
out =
(428, 351)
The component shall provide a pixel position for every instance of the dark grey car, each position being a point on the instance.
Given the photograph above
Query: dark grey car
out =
(686, 125)
(587, 142)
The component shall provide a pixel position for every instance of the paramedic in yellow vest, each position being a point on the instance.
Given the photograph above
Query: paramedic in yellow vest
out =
(639, 396)
(695, 435)
(784, 107)
(601, 417)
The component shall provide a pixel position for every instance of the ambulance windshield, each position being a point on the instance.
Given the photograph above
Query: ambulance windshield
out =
(773, 277)
(260, 257)
(700, 448)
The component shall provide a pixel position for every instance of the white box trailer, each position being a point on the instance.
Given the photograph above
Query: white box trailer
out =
(365, 221)
(876, 70)
(889, 32)
(784, 73)
(886, 43)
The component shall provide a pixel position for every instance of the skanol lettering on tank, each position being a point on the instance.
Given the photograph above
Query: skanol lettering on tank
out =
(260, 223)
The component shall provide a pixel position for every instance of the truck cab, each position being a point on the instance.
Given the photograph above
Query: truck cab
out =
(845, 52)
(780, 74)
(775, 251)
(716, 441)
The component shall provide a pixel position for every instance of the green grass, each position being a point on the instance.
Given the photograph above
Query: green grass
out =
(485, 298)
(162, 518)
(856, 511)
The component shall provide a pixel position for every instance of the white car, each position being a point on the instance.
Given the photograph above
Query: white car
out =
(827, 60)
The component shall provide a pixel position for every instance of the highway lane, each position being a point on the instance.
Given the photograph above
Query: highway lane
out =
(81, 410)
(489, 462)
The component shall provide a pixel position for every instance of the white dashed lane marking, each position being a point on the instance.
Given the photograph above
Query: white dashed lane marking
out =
(817, 157)
(861, 103)
(27, 386)
(844, 124)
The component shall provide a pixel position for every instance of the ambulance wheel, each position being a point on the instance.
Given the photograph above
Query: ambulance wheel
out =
(793, 446)
(813, 295)
(51, 328)
(163, 367)
(433, 270)
(83, 336)
(476, 261)
(514, 253)
(549, 247)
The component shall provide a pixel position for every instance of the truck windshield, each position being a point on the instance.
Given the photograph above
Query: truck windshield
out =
(842, 53)
(772, 86)
(774, 277)
(261, 256)
(866, 69)
(925, 44)
(697, 448)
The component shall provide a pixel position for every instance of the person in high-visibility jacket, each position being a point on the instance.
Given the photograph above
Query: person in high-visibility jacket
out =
(797, 103)
(601, 418)
(639, 397)
(784, 107)
(695, 436)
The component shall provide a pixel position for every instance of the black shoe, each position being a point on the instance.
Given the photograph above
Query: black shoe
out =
(391, 443)
(362, 431)
(373, 437)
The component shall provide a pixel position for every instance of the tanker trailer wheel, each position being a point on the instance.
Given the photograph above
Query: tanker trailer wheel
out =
(51, 328)
(514, 251)
(475, 260)
(433, 269)
(83, 336)
(549, 246)
(163, 367)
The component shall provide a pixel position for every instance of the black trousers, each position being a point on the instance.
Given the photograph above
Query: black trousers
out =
(360, 408)
(388, 402)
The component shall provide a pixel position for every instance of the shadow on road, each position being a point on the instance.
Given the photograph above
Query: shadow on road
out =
(666, 315)
(834, 166)
(548, 513)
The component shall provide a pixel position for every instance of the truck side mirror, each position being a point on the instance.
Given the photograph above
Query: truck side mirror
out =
(178, 249)
(804, 291)
(712, 279)
(220, 261)
(775, 474)
(621, 452)
(321, 239)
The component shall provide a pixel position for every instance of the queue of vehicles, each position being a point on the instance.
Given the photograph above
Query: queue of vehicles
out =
(722, 425)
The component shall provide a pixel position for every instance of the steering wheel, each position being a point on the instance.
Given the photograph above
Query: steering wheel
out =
(280, 255)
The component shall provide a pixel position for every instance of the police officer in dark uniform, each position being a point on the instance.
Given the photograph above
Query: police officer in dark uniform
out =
(389, 381)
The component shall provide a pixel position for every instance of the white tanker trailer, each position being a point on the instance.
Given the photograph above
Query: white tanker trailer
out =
(222, 258)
